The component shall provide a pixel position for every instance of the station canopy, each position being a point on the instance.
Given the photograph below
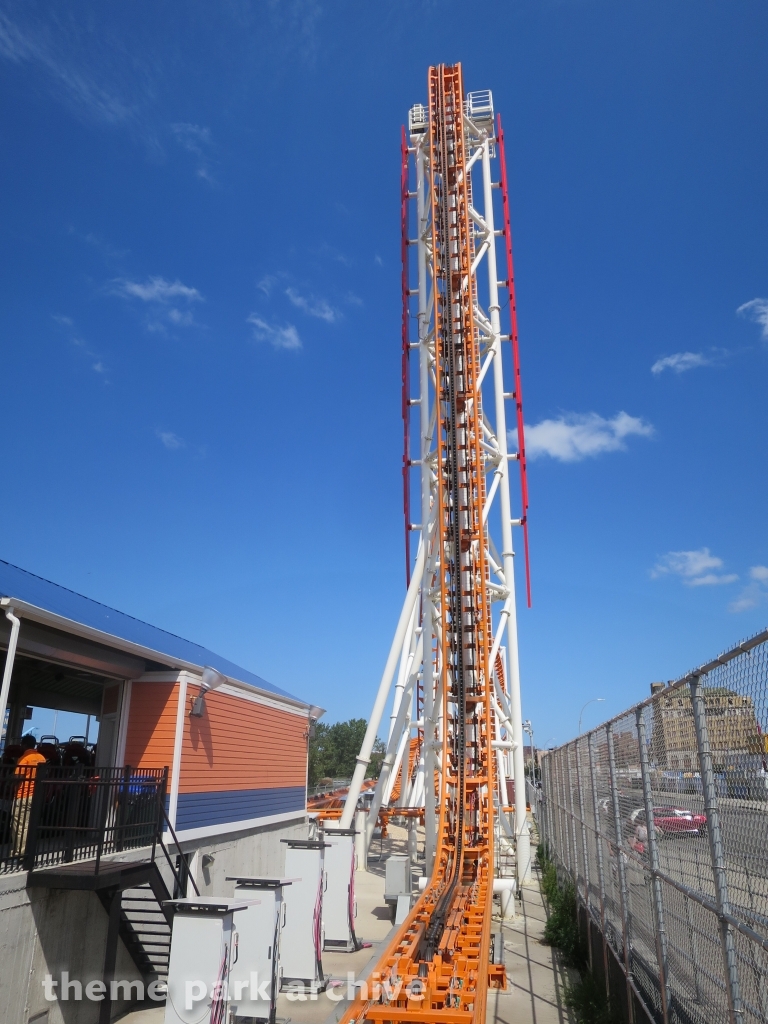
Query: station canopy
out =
(55, 611)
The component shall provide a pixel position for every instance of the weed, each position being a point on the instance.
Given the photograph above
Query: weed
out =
(588, 1001)
(586, 997)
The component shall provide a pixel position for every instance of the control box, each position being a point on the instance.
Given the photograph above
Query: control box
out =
(254, 981)
(339, 905)
(302, 938)
(204, 947)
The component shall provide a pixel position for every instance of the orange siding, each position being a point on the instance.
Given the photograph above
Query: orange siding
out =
(151, 725)
(239, 745)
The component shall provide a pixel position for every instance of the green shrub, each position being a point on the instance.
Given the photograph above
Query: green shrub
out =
(587, 997)
(562, 927)
(588, 1001)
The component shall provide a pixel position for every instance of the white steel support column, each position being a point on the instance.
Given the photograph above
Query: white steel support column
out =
(522, 835)
(406, 659)
(364, 757)
(387, 762)
(427, 490)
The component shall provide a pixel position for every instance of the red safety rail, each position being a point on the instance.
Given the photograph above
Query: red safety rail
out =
(518, 392)
(406, 408)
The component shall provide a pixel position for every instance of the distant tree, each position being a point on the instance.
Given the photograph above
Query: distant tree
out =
(334, 748)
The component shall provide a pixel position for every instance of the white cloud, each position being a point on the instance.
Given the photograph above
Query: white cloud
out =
(196, 139)
(99, 367)
(679, 362)
(687, 563)
(108, 252)
(754, 593)
(286, 337)
(267, 283)
(159, 294)
(171, 441)
(692, 567)
(312, 307)
(750, 598)
(575, 436)
(712, 580)
(296, 28)
(757, 310)
(181, 318)
(156, 289)
(192, 137)
(52, 48)
(65, 321)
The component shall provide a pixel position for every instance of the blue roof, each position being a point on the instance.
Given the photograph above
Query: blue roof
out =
(50, 597)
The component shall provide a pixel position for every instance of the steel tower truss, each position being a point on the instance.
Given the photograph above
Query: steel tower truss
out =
(451, 686)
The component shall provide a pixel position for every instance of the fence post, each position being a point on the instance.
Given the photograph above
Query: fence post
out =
(760, 985)
(587, 899)
(124, 789)
(712, 811)
(599, 848)
(620, 867)
(573, 824)
(653, 856)
(565, 853)
(585, 852)
(549, 803)
(557, 838)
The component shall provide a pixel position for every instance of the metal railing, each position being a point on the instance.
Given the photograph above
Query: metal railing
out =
(660, 819)
(53, 815)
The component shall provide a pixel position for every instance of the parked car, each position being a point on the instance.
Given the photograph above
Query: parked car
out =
(670, 821)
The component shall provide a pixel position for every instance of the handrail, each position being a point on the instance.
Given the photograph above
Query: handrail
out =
(164, 813)
(58, 814)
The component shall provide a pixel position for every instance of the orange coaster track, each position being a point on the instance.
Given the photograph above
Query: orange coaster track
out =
(437, 966)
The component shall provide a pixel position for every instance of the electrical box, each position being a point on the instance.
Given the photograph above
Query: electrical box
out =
(302, 938)
(204, 947)
(254, 981)
(397, 878)
(339, 906)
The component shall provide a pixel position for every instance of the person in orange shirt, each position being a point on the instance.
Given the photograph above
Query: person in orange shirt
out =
(26, 769)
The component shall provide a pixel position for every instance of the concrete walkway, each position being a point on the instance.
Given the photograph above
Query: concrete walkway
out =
(536, 977)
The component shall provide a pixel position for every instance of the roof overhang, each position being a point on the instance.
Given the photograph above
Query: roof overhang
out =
(40, 615)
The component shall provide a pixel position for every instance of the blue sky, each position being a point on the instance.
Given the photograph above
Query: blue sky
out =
(200, 324)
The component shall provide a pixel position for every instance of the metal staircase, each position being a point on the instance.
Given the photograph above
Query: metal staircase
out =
(145, 925)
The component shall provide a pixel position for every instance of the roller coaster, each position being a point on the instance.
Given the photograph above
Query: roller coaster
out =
(455, 734)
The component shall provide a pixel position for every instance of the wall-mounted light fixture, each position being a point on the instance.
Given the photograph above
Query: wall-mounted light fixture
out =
(211, 679)
(315, 714)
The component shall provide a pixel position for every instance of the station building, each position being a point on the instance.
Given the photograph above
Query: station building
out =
(229, 749)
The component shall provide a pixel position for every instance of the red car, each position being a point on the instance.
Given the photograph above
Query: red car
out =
(670, 821)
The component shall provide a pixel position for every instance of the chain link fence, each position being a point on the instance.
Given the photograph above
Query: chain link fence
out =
(659, 818)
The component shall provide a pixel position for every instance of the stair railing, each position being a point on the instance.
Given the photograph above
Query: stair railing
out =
(180, 881)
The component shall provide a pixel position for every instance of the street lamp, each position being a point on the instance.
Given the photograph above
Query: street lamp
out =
(595, 700)
(527, 727)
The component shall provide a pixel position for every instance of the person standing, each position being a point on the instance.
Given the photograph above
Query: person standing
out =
(26, 769)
